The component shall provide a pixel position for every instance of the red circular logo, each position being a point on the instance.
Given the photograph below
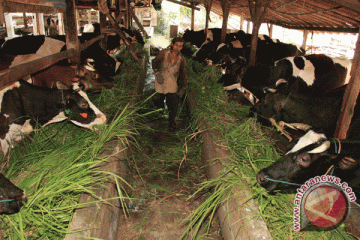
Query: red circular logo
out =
(325, 206)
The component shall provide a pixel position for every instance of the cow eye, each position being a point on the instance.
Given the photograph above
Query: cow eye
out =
(303, 159)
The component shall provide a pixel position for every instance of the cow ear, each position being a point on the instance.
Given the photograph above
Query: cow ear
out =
(61, 85)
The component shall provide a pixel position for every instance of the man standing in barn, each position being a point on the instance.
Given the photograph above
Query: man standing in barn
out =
(170, 71)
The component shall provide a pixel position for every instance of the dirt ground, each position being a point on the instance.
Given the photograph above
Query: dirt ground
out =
(163, 180)
(162, 189)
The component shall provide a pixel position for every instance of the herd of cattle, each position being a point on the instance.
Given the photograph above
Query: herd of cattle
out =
(52, 95)
(303, 91)
(300, 91)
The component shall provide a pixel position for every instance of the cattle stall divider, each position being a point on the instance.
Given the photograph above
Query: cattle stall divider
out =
(239, 216)
(15, 73)
(101, 220)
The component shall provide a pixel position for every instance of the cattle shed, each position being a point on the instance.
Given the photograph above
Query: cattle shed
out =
(309, 15)
(326, 16)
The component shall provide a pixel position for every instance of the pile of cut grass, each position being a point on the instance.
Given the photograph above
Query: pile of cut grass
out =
(251, 150)
(58, 163)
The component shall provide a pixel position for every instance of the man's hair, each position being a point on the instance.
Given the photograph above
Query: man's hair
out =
(177, 39)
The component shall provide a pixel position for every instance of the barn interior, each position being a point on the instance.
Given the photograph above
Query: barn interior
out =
(341, 16)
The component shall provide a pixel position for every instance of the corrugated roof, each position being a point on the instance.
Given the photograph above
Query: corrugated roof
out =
(322, 15)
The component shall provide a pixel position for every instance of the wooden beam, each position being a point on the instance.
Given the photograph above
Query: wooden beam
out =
(207, 4)
(192, 6)
(350, 97)
(257, 11)
(12, 7)
(2, 17)
(40, 23)
(71, 33)
(225, 6)
(242, 23)
(192, 27)
(61, 24)
(350, 4)
(305, 36)
(9, 25)
(88, 43)
(324, 29)
(138, 23)
(102, 5)
(270, 29)
(15, 73)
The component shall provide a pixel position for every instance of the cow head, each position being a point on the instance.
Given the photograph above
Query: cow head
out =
(78, 108)
(206, 50)
(11, 197)
(310, 156)
(102, 61)
(90, 78)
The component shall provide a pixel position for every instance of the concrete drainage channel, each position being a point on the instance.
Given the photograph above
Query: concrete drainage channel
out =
(239, 217)
(101, 220)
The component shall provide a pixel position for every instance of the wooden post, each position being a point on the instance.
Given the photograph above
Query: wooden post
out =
(138, 23)
(9, 25)
(192, 17)
(207, 4)
(248, 27)
(2, 16)
(25, 21)
(102, 20)
(225, 5)
(242, 23)
(88, 13)
(257, 11)
(61, 24)
(350, 96)
(40, 23)
(270, 29)
(71, 35)
(305, 36)
(35, 23)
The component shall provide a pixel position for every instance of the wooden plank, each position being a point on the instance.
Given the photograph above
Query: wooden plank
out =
(138, 23)
(91, 42)
(15, 73)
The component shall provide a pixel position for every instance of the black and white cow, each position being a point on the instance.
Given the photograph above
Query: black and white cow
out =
(11, 197)
(197, 38)
(311, 156)
(301, 111)
(313, 74)
(24, 105)
(45, 46)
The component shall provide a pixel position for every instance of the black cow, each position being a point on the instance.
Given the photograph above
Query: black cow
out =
(11, 197)
(317, 112)
(312, 155)
(313, 74)
(24, 105)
